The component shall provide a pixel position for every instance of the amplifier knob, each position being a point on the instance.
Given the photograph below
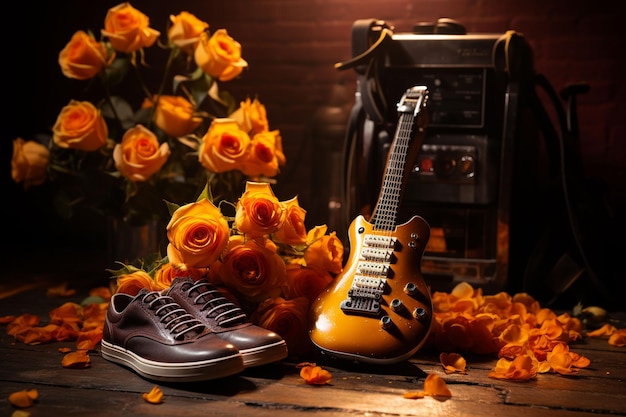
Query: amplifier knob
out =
(445, 165)
(467, 165)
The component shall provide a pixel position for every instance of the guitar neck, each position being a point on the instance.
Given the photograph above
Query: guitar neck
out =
(403, 152)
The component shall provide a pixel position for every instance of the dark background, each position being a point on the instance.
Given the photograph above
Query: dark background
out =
(291, 47)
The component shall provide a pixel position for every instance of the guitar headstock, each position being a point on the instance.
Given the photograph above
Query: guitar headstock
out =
(413, 100)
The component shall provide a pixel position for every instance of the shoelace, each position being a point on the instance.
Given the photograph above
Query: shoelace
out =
(176, 319)
(218, 307)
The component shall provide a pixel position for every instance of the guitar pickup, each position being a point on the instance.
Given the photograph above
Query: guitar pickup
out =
(367, 287)
(378, 269)
(377, 255)
(380, 241)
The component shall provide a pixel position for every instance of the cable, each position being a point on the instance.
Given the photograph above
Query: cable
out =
(572, 221)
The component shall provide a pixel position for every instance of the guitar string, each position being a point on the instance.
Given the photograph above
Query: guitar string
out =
(386, 210)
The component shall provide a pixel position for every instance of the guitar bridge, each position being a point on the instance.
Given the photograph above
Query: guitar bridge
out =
(364, 296)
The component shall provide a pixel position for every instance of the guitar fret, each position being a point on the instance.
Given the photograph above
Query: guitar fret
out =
(386, 210)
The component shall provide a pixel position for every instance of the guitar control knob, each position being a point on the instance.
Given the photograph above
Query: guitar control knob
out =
(420, 314)
(386, 322)
(410, 288)
(396, 305)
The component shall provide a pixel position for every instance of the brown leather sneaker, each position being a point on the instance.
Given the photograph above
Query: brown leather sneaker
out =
(153, 335)
(257, 345)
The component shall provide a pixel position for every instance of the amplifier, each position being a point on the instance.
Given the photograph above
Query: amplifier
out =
(461, 182)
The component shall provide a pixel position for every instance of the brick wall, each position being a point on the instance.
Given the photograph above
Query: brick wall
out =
(291, 46)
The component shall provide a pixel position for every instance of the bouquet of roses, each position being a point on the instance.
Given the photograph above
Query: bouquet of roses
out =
(123, 158)
(187, 138)
(260, 255)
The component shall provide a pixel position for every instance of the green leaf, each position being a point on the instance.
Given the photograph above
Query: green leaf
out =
(171, 207)
(143, 116)
(228, 101)
(198, 85)
(92, 299)
(116, 72)
(63, 205)
(119, 109)
(125, 269)
(206, 193)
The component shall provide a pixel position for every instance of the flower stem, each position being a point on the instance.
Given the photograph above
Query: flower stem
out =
(166, 71)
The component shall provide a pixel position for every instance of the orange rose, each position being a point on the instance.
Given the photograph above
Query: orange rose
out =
(29, 162)
(324, 251)
(185, 31)
(287, 318)
(251, 116)
(278, 150)
(83, 57)
(80, 125)
(258, 211)
(174, 115)
(223, 147)
(164, 276)
(219, 55)
(139, 155)
(198, 234)
(262, 158)
(305, 282)
(127, 29)
(253, 269)
(293, 231)
(132, 283)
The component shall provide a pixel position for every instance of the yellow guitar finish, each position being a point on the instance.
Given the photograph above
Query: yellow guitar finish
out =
(364, 338)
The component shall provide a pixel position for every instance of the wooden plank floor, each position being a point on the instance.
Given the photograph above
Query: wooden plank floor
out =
(276, 390)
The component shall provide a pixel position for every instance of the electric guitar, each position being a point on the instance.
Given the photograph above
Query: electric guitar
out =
(379, 310)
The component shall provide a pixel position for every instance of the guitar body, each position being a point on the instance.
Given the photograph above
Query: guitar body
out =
(401, 325)
(379, 310)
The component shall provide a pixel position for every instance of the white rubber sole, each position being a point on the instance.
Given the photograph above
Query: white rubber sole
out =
(262, 355)
(173, 372)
